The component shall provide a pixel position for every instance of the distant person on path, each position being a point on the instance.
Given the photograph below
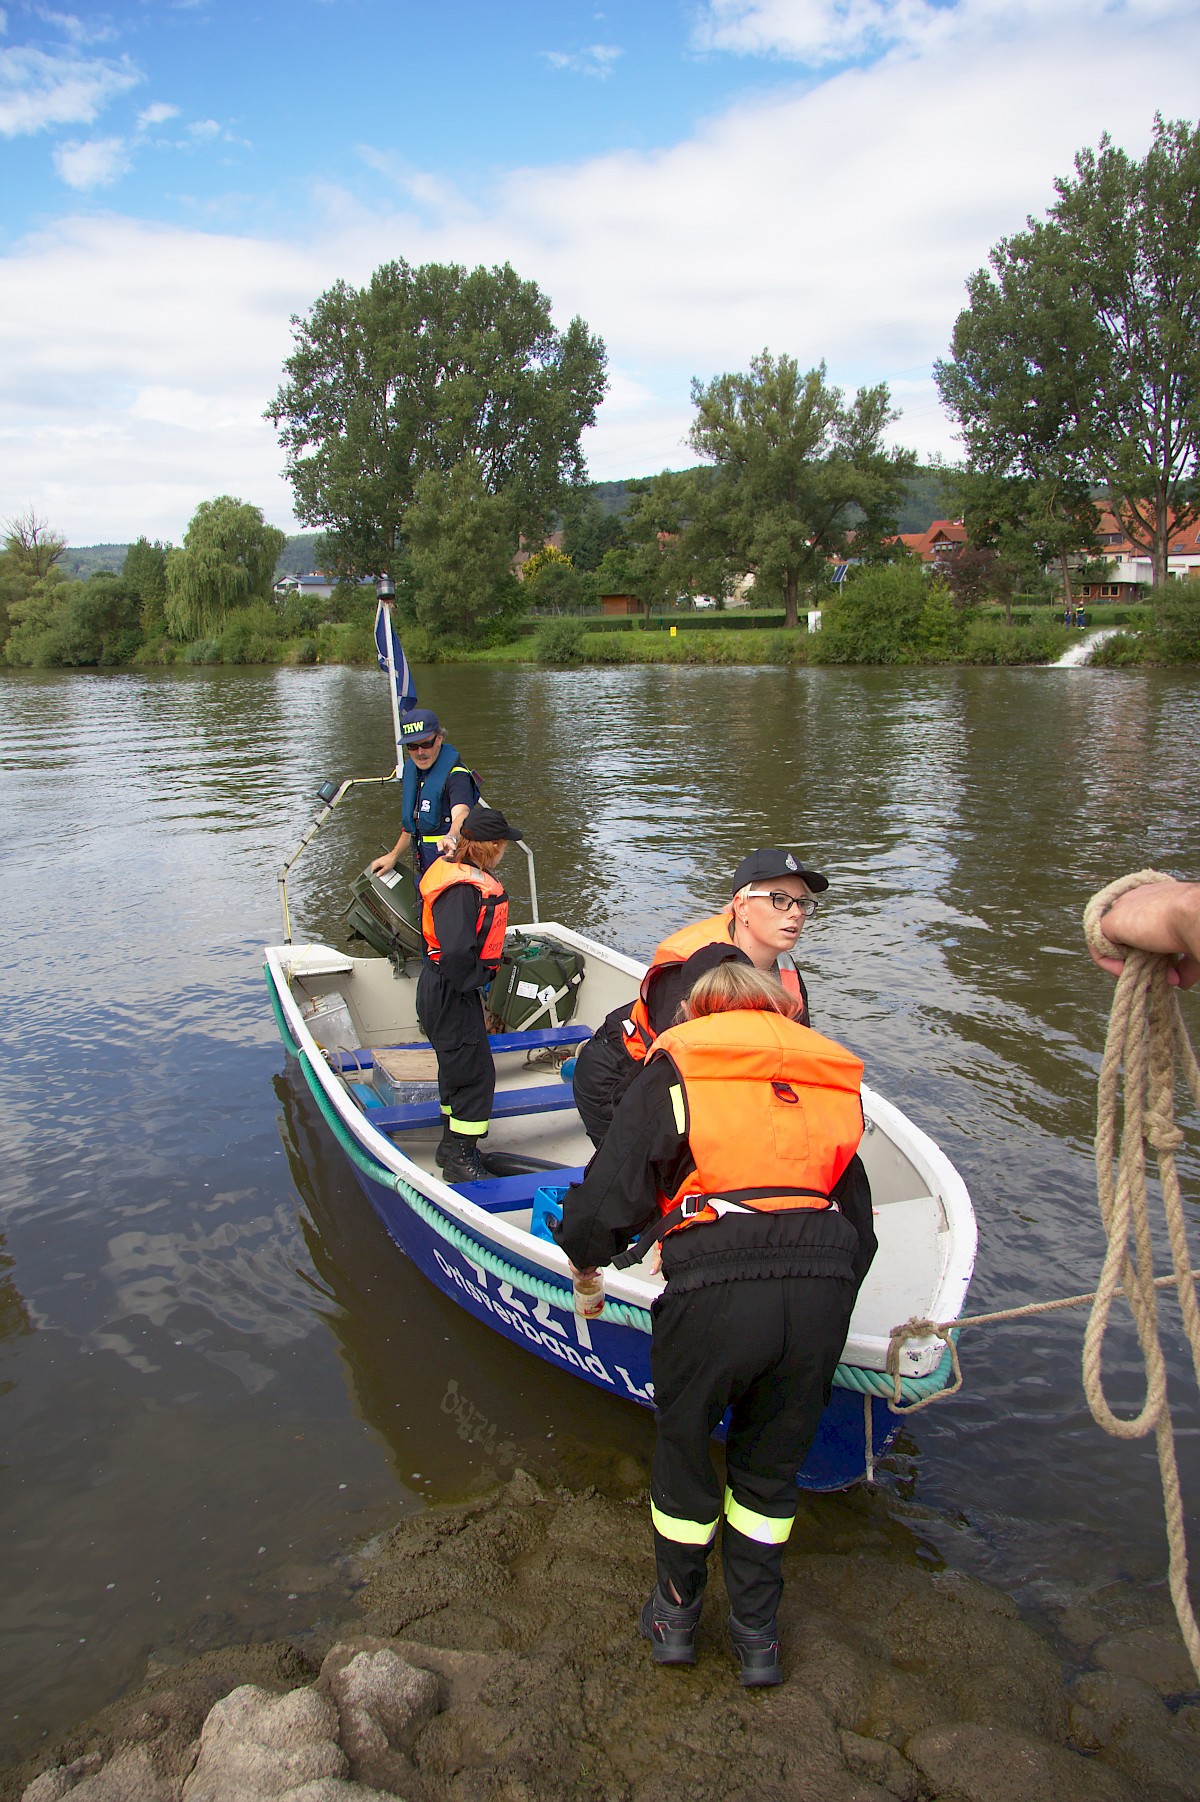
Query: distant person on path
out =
(773, 895)
(464, 915)
(1163, 917)
(437, 791)
(736, 1145)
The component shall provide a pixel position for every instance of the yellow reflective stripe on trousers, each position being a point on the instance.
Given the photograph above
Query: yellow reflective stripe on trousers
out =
(768, 1529)
(683, 1532)
(468, 1129)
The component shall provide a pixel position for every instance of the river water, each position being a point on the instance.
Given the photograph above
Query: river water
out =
(216, 1374)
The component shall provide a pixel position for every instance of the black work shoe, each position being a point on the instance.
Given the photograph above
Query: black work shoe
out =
(464, 1163)
(671, 1629)
(758, 1653)
(445, 1144)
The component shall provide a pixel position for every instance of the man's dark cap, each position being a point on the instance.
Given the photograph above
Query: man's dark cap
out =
(484, 823)
(766, 865)
(418, 726)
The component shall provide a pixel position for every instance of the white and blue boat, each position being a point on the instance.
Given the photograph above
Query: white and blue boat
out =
(351, 1023)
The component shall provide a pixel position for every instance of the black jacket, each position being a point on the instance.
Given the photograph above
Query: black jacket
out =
(646, 1154)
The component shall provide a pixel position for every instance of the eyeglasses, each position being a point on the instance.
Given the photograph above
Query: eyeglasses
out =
(422, 744)
(782, 902)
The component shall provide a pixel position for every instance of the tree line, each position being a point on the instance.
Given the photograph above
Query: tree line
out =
(432, 424)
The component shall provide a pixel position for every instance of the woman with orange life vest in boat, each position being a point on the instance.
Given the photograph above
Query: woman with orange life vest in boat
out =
(736, 1145)
(464, 914)
(772, 897)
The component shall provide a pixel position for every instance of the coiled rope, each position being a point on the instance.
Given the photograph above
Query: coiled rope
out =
(1146, 1035)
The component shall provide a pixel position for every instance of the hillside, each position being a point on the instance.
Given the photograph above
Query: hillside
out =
(924, 503)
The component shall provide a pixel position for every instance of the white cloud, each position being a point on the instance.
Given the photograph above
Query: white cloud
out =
(202, 129)
(40, 89)
(75, 28)
(816, 32)
(837, 220)
(156, 114)
(597, 60)
(95, 163)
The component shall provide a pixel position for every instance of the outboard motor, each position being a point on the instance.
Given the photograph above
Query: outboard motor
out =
(386, 912)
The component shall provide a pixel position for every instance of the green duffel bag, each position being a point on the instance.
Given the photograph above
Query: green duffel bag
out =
(536, 986)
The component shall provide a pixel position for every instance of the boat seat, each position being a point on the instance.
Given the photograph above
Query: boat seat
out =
(545, 1098)
(502, 1194)
(346, 1062)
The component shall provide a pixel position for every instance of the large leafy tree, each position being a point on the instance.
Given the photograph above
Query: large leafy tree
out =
(799, 476)
(228, 558)
(1077, 362)
(415, 372)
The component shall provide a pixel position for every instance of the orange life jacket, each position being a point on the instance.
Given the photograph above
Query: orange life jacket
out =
(772, 1111)
(676, 949)
(491, 922)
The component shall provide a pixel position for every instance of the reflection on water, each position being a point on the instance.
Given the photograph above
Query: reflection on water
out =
(216, 1372)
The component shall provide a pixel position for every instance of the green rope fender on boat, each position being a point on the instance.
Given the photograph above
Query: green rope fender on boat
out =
(558, 1295)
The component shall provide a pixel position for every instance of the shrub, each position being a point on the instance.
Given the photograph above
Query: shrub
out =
(875, 617)
(202, 650)
(250, 635)
(990, 642)
(1122, 652)
(560, 641)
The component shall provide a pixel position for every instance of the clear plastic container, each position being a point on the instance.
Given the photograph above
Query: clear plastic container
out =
(589, 1293)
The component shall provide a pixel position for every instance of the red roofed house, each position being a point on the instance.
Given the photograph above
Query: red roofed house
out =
(1131, 565)
(938, 544)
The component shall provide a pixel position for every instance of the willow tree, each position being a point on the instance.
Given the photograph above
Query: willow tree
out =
(799, 476)
(228, 557)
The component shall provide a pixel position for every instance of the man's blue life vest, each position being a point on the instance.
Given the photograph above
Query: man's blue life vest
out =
(426, 819)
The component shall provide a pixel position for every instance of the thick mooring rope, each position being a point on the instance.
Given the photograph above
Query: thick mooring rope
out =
(1146, 1034)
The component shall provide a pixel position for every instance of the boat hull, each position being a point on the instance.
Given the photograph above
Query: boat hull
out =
(611, 1356)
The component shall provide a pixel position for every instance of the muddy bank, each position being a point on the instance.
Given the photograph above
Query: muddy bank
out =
(494, 1656)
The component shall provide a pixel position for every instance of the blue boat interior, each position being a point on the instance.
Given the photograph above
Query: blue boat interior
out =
(498, 1194)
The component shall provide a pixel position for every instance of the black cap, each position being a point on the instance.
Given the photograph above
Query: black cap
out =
(419, 726)
(483, 823)
(766, 865)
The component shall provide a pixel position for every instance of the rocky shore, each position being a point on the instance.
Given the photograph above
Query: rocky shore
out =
(495, 1659)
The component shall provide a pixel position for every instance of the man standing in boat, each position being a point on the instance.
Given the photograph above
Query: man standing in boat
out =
(773, 895)
(436, 794)
(736, 1145)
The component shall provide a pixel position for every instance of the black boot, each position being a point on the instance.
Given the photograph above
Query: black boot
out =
(464, 1164)
(446, 1143)
(758, 1653)
(671, 1629)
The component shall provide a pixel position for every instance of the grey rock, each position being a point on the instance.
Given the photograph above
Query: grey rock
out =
(964, 1762)
(1115, 1705)
(383, 1703)
(129, 1777)
(256, 1745)
(1152, 1655)
(882, 1765)
(1136, 1733)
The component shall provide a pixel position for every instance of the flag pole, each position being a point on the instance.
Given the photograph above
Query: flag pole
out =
(385, 589)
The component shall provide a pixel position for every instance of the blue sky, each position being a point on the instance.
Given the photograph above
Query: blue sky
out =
(698, 181)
